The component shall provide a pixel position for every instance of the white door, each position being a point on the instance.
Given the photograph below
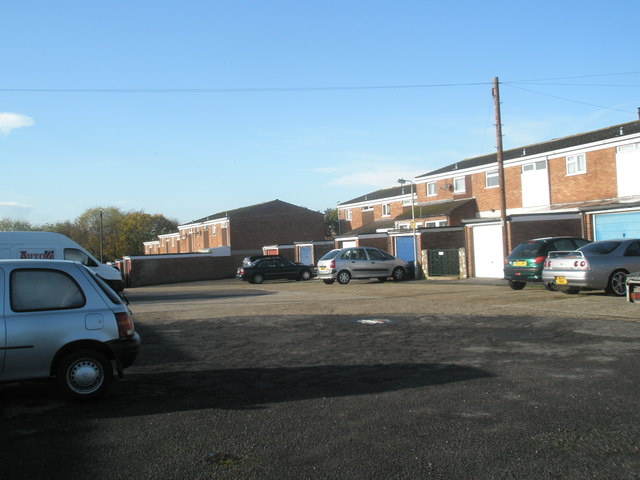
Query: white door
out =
(488, 252)
(628, 169)
(535, 184)
(348, 244)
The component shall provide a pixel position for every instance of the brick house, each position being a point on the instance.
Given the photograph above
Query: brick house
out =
(586, 185)
(241, 230)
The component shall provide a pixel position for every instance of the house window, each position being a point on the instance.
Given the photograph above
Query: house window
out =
(386, 210)
(530, 167)
(368, 208)
(459, 185)
(492, 179)
(576, 164)
(432, 191)
(436, 223)
(213, 230)
(347, 215)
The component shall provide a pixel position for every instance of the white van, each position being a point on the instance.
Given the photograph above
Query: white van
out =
(55, 246)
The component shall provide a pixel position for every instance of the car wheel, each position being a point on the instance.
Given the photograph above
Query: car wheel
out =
(305, 275)
(328, 281)
(398, 274)
(344, 277)
(617, 283)
(84, 374)
(517, 285)
(550, 287)
(258, 278)
(571, 290)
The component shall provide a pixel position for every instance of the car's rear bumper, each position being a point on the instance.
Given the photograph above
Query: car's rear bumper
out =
(125, 350)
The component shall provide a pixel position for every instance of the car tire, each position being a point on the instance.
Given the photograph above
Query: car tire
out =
(84, 374)
(305, 275)
(258, 278)
(344, 277)
(329, 281)
(398, 274)
(517, 285)
(550, 287)
(617, 284)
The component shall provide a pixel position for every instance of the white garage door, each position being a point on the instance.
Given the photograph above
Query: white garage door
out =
(488, 257)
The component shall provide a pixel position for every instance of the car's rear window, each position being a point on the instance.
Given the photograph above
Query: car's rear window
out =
(600, 248)
(527, 249)
(330, 255)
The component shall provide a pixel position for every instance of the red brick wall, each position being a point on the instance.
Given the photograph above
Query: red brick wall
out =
(523, 231)
(598, 183)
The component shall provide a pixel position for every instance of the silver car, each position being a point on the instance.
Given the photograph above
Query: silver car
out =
(602, 265)
(59, 319)
(360, 262)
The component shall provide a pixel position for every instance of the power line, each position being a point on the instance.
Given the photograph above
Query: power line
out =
(233, 90)
(565, 98)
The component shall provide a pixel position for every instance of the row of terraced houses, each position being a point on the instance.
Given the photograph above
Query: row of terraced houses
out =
(449, 220)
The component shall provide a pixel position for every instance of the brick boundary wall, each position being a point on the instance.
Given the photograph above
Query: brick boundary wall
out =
(162, 269)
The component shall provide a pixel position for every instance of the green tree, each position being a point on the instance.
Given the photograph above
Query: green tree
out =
(138, 227)
(10, 225)
(100, 227)
(331, 223)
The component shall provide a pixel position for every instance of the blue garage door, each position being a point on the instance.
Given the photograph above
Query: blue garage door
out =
(404, 249)
(617, 225)
(305, 255)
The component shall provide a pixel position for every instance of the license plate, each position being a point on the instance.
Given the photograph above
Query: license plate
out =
(323, 268)
(561, 280)
(519, 264)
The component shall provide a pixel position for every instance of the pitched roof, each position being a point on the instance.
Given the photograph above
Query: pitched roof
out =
(434, 209)
(245, 211)
(538, 148)
(380, 194)
(370, 228)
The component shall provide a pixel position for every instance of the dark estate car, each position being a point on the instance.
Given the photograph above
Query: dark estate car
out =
(524, 264)
(271, 267)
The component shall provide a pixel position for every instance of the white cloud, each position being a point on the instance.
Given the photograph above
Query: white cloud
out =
(9, 121)
(14, 210)
(372, 172)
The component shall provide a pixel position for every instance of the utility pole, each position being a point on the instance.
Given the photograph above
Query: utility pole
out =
(503, 195)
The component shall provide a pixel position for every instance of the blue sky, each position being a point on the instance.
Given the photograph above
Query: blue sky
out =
(193, 107)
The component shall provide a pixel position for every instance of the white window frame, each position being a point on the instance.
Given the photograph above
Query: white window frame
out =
(386, 209)
(576, 164)
(432, 189)
(456, 181)
(491, 179)
(347, 215)
(213, 230)
(367, 208)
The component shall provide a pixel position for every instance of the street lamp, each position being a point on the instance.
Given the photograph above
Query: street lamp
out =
(402, 181)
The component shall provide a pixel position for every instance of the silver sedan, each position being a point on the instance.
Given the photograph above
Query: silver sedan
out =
(360, 262)
(602, 265)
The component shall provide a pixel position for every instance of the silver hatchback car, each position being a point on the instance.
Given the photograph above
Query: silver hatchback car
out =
(360, 262)
(58, 319)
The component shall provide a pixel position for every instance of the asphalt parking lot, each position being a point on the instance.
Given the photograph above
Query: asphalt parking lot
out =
(301, 380)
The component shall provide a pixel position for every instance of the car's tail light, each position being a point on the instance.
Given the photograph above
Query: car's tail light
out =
(125, 324)
(539, 259)
(242, 271)
(332, 265)
(581, 264)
